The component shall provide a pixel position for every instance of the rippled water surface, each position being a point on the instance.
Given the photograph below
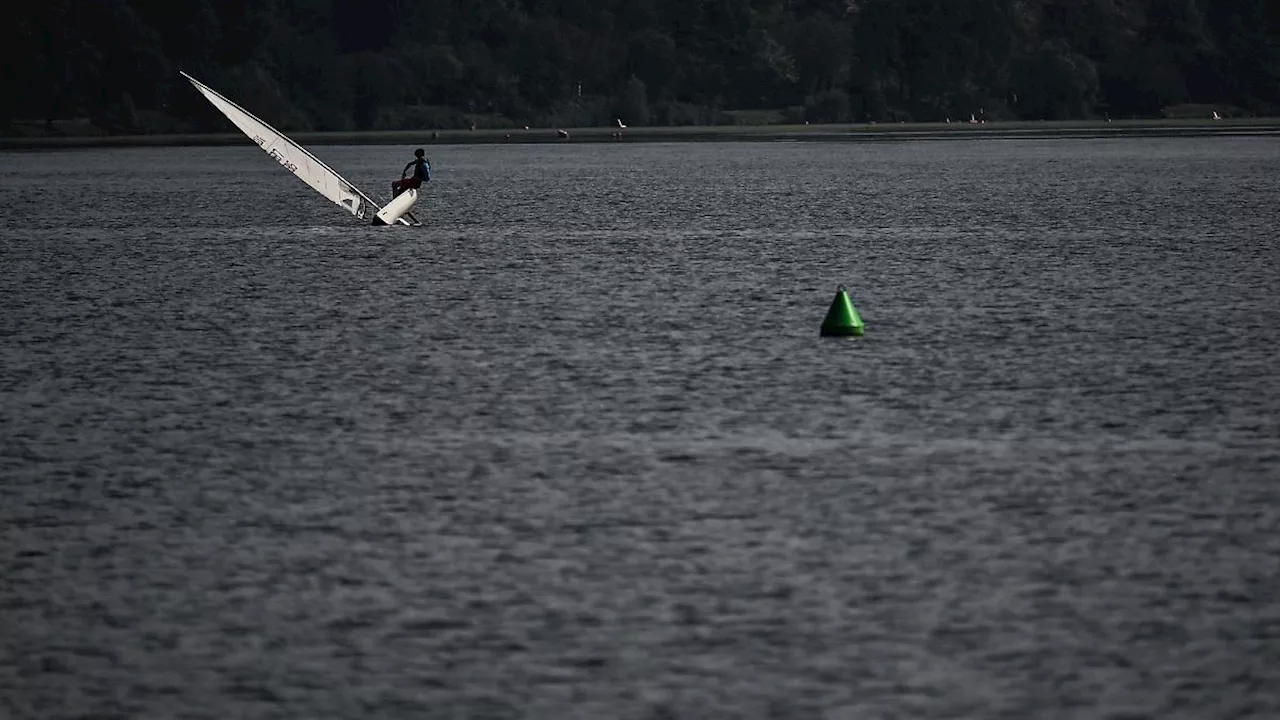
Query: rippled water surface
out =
(575, 449)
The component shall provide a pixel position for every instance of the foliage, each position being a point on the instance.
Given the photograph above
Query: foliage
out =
(320, 64)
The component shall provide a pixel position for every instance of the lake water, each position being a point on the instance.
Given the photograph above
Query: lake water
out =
(576, 450)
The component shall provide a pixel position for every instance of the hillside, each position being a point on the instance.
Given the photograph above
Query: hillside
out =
(393, 64)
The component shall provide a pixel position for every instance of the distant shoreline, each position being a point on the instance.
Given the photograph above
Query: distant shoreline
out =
(857, 132)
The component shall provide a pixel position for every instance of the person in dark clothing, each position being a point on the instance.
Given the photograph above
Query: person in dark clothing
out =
(421, 173)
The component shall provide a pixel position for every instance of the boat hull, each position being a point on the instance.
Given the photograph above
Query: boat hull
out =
(396, 208)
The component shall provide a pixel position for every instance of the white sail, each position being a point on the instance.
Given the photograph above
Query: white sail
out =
(292, 156)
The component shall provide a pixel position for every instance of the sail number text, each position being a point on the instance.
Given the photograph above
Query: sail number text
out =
(281, 159)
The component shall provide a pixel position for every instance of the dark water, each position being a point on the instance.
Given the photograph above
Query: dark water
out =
(575, 450)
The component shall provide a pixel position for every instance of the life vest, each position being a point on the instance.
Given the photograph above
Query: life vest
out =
(422, 170)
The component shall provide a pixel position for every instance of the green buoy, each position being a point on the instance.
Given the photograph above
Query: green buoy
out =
(841, 320)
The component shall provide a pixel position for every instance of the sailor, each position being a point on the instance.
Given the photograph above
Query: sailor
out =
(421, 173)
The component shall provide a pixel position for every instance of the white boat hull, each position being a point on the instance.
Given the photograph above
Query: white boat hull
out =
(397, 207)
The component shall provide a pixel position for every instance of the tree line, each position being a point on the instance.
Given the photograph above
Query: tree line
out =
(399, 64)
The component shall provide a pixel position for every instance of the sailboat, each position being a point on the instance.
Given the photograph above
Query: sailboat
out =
(309, 168)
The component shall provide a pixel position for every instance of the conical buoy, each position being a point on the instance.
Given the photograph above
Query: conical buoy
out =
(842, 319)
